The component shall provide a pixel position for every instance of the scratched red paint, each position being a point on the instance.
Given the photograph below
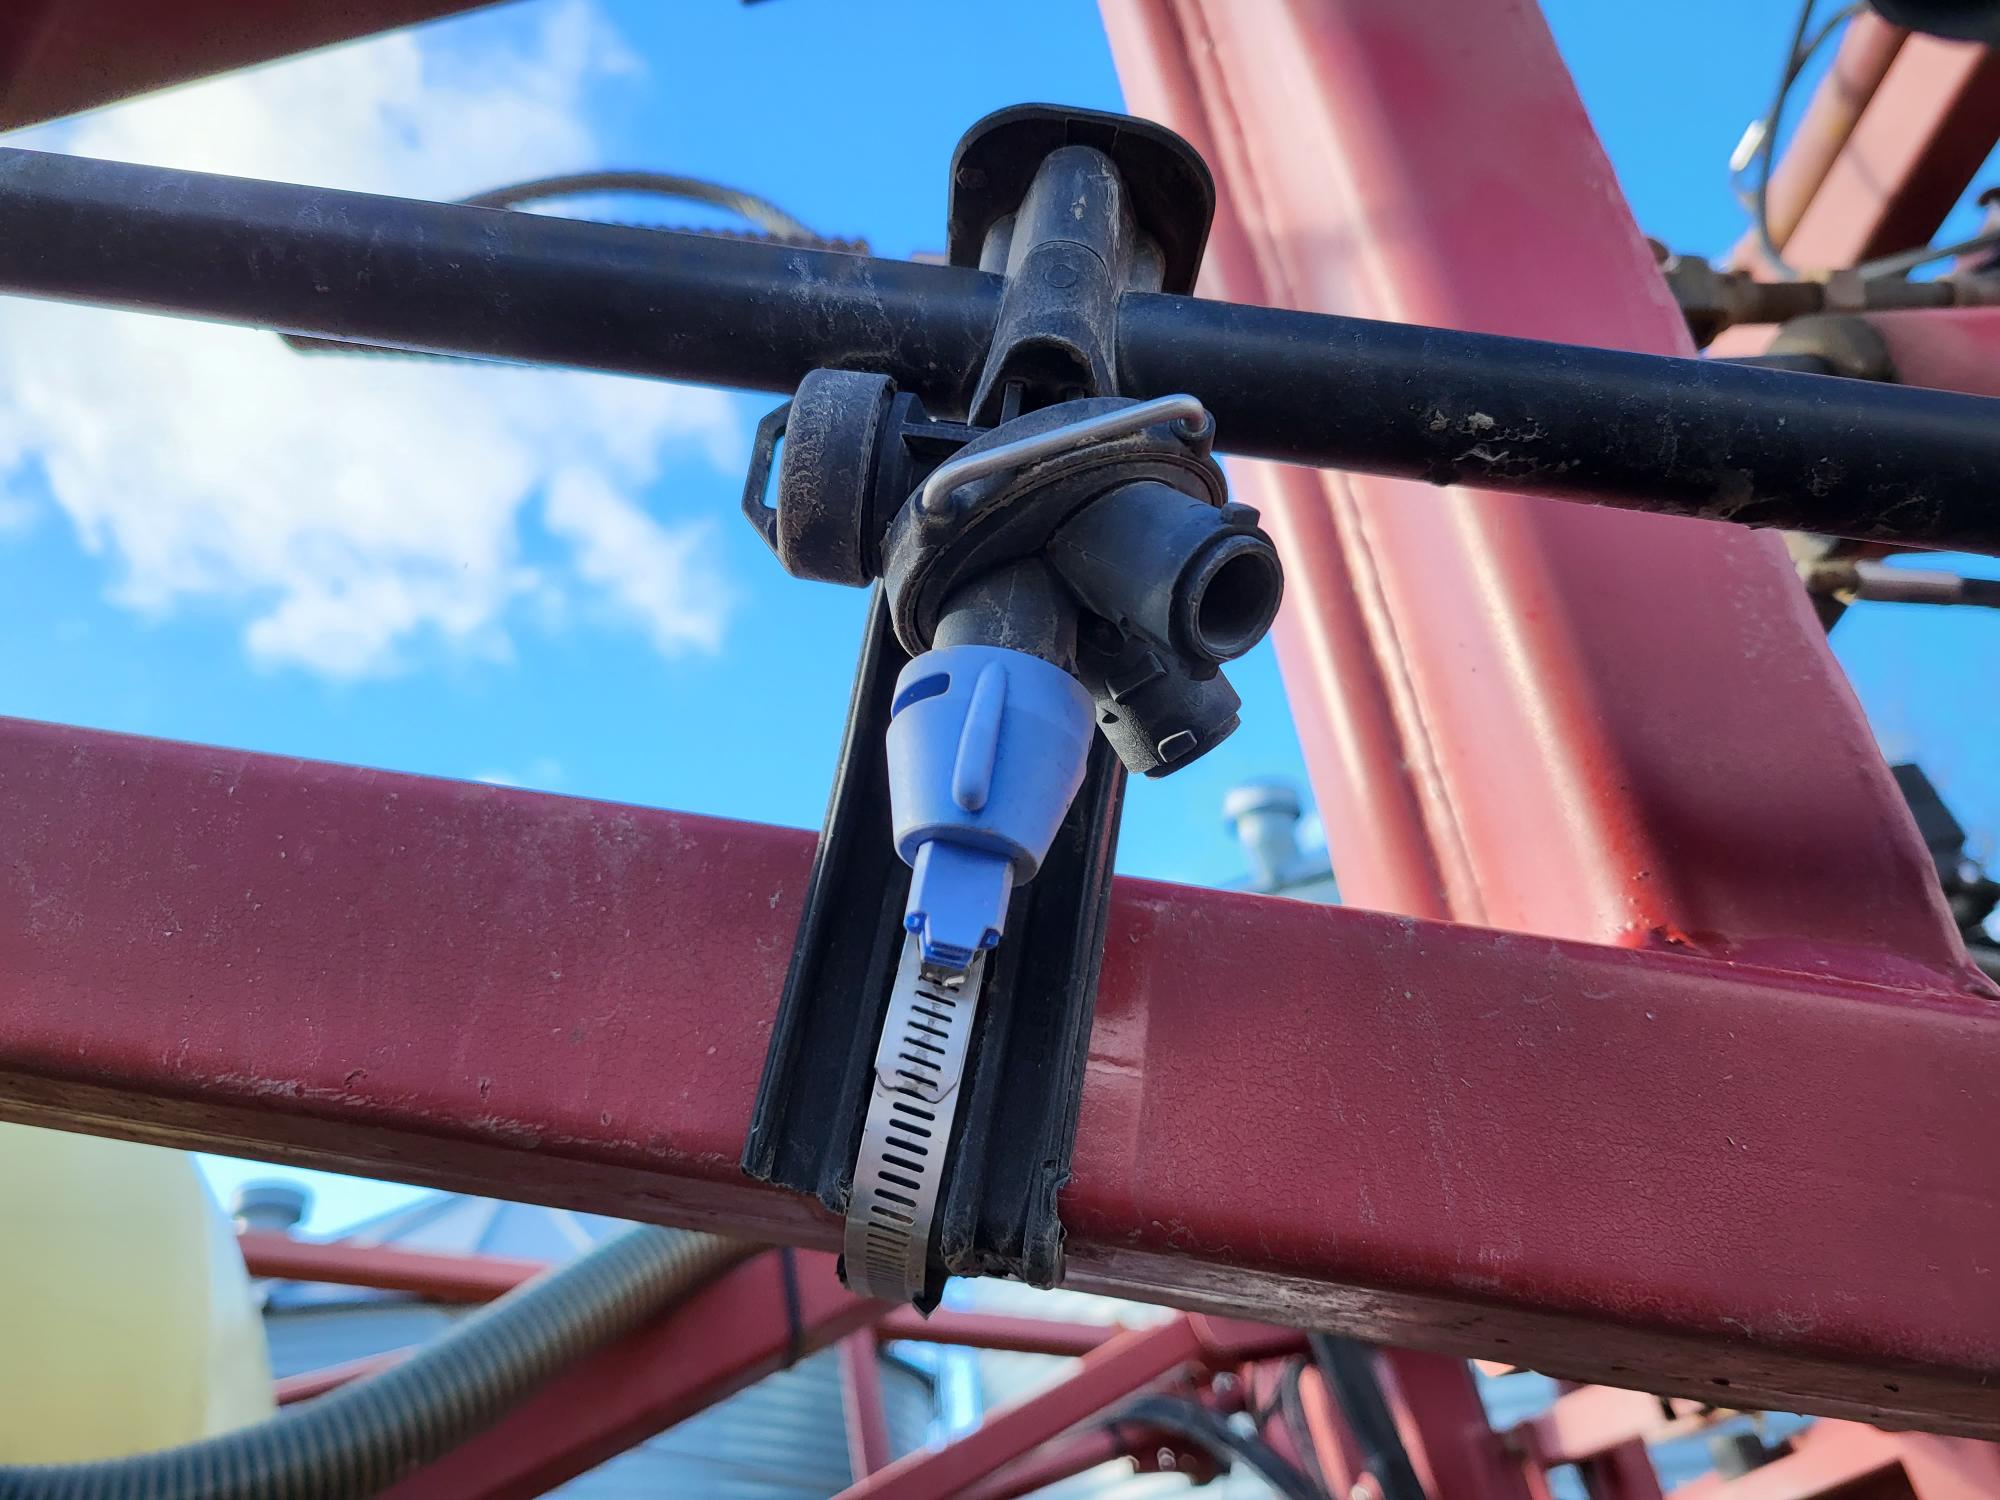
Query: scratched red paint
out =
(1645, 1168)
(1592, 724)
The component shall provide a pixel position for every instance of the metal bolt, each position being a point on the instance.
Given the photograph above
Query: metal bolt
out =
(1195, 429)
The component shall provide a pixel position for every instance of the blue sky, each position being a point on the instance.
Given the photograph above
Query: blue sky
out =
(540, 578)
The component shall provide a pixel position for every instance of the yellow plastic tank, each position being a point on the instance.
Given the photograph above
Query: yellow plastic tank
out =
(129, 1321)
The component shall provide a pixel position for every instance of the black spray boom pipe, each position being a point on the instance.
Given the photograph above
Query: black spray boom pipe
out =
(1688, 437)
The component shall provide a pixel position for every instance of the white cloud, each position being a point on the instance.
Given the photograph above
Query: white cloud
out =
(654, 576)
(544, 773)
(355, 507)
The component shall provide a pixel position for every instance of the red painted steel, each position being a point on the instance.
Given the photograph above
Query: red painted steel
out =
(1945, 348)
(868, 1445)
(61, 56)
(1148, 1450)
(729, 1336)
(478, 1278)
(1049, 1465)
(1866, 50)
(1938, 1468)
(1854, 1462)
(1103, 1377)
(1586, 701)
(1259, 1392)
(1929, 126)
(1590, 1421)
(996, 1331)
(1859, 1462)
(1335, 1451)
(1371, 781)
(442, 1278)
(1625, 1473)
(310, 1383)
(1603, 1431)
(1443, 1424)
(494, 991)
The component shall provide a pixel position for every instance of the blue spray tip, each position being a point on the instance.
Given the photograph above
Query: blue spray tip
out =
(958, 901)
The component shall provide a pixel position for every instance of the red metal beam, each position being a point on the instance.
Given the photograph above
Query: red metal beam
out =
(442, 1278)
(1578, 742)
(1051, 1464)
(1642, 1168)
(731, 1335)
(1866, 50)
(1149, 1450)
(1335, 1452)
(310, 1383)
(1259, 1391)
(479, 1278)
(1103, 1377)
(867, 1420)
(996, 1331)
(1828, 1459)
(1590, 1421)
(1499, 697)
(1926, 131)
(1945, 348)
(1443, 1424)
(61, 56)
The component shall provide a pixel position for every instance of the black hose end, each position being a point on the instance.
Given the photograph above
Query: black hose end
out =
(1152, 711)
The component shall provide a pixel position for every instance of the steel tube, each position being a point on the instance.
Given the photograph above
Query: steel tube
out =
(1684, 436)
(1681, 436)
(482, 283)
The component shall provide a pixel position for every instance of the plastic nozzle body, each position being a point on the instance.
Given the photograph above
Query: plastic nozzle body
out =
(987, 748)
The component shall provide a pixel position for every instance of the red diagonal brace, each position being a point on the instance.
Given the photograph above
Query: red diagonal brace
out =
(494, 991)
(868, 1444)
(1104, 1376)
(441, 1278)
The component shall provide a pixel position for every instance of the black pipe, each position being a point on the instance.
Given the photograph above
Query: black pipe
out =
(1688, 437)
(485, 283)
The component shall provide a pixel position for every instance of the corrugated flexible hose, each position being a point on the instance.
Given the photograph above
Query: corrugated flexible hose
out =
(361, 1438)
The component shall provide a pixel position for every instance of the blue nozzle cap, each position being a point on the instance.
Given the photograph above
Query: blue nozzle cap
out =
(987, 747)
(958, 901)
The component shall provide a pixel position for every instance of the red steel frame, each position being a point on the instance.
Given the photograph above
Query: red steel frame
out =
(1867, 49)
(1925, 131)
(475, 988)
(1707, 1118)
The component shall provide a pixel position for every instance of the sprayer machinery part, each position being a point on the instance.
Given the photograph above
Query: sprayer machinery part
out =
(912, 1101)
(1060, 579)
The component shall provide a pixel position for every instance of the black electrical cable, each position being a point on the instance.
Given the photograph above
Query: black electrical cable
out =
(772, 222)
(762, 212)
(1211, 1432)
(1348, 1366)
(1803, 50)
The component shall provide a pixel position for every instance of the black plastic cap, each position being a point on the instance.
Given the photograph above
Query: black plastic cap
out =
(1173, 195)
